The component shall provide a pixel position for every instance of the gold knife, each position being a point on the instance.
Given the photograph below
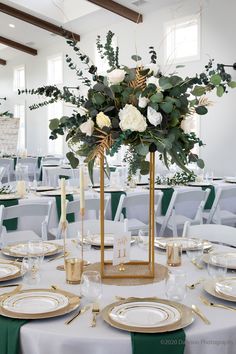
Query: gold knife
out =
(80, 312)
(198, 312)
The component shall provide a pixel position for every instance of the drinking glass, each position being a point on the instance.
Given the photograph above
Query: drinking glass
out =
(30, 268)
(194, 250)
(176, 286)
(217, 266)
(36, 248)
(143, 239)
(91, 285)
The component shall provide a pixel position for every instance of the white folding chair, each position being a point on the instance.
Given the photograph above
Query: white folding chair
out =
(211, 232)
(184, 206)
(92, 211)
(137, 210)
(32, 163)
(8, 163)
(26, 210)
(223, 209)
(2, 173)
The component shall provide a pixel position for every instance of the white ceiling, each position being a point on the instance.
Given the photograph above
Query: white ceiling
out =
(79, 16)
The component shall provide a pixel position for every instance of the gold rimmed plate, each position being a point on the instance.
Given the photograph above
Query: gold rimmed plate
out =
(229, 257)
(215, 288)
(20, 249)
(9, 270)
(147, 315)
(45, 189)
(186, 243)
(9, 196)
(38, 303)
(95, 240)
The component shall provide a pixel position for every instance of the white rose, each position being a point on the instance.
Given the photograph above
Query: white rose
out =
(116, 76)
(131, 118)
(87, 127)
(143, 101)
(102, 120)
(153, 116)
(187, 125)
(153, 80)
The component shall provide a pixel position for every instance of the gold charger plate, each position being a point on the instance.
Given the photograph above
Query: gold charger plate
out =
(206, 258)
(7, 250)
(186, 316)
(210, 287)
(18, 274)
(160, 242)
(9, 196)
(73, 303)
(45, 188)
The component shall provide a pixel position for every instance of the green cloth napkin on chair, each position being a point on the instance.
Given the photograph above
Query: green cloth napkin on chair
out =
(158, 343)
(211, 197)
(10, 335)
(10, 224)
(115, 198)
(39, 161)
(69, 217)
(62, 176)
(167, 194)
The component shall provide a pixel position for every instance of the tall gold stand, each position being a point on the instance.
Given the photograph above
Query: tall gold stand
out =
(147, 268)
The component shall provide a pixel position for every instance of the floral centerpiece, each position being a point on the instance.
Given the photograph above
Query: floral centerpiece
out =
(139, 107)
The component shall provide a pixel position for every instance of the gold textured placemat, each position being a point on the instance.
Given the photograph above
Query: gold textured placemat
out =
(161, 273)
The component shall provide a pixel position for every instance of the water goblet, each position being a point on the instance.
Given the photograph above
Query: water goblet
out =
(176, 286)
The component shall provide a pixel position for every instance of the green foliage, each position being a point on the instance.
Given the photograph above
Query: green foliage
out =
(179, 178)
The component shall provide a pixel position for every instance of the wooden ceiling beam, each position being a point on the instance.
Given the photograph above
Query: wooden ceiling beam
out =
(38, 22)
(18, 46)
(3, 62)
(119, 10)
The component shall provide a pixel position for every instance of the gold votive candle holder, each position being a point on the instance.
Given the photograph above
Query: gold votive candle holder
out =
(174, 253)
(74, 270)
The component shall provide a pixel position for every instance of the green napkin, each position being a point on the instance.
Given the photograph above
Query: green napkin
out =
(115, 198)
(10, 224)
(112, 169)
(167, 194)
(158, 343)
(15, 162)
(62, 176)
(211, 197)
(39, 161)
(69, 217)
(9, 335)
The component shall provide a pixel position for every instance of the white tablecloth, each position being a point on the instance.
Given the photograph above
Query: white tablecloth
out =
(52, 335)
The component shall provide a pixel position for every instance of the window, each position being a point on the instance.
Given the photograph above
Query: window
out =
(19, 78)
(102, 64)
(55, 70)
(183, 39)
(19, 112)
(55, 147)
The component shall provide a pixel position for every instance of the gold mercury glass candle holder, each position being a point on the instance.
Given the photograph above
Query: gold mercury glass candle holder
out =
(174, 253)
(74, 269)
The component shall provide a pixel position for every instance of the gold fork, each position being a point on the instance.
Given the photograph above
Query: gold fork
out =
(95, 312)
(209, 303)
(198, 312)
(194, 262)
(80, 312)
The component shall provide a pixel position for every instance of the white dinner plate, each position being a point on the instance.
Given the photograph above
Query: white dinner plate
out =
(7, 269)
(21, 249)
(230, 180)
(162, 186)
(145, 314)
(186, 243)
(199, 184)
(230, 258)
(35, 302)
(95, 240)
(226, 287)
(9, 196)
(44, 188)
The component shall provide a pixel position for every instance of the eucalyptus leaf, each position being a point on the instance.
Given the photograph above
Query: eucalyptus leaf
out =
(215, 79)
(54, 123)
(201, 110)
(232, 84)
(220, 91)
(72, 159)
(136, 57)
(200, 163)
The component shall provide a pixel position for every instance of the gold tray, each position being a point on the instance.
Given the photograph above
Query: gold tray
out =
(74, 302)
(7, 250)
(13, 276)
(209, 287)
(186, 316)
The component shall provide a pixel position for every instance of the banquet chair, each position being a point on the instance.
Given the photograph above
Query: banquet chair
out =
(19, 212)
(32, 163)
(2, 173)
(8, 163)
(133, 204)
(211, 232)
(223, 210)
(92, 211)
(184, 206)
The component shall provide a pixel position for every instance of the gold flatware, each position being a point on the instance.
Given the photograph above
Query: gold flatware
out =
(194, 285)
(121, 298)
(58, 257)
(213, 304)
(14, 291)
(95, 312)
(80, 312)
(194, 262)
(8, 285)
(198, 312)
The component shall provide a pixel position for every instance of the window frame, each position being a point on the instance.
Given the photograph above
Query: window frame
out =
(171, 26)
(16, 86)
(51, 58)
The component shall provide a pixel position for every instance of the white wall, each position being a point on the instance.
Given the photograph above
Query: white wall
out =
(218, 32)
